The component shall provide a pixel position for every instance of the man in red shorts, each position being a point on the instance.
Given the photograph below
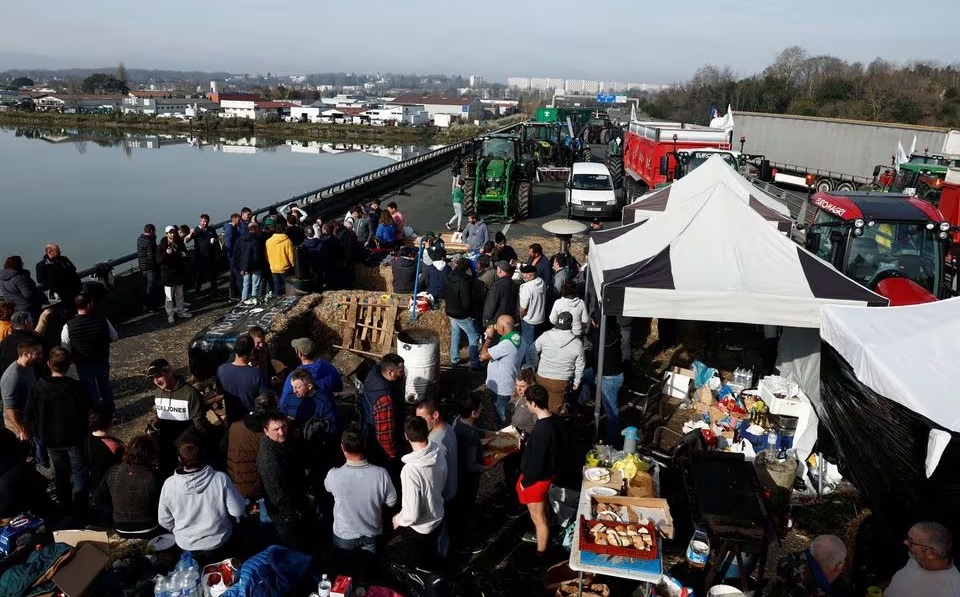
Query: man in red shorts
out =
(539, 463)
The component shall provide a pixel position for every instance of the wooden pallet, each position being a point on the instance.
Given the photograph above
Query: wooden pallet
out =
(369, 323)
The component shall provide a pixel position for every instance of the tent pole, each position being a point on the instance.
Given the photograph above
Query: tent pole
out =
(598, 395)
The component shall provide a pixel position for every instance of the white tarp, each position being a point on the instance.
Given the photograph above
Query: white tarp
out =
(906, 354)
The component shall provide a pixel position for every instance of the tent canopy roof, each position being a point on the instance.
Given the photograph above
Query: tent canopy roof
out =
(907, 354)
(711, 257)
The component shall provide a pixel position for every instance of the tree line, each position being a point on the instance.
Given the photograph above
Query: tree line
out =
(925, 93)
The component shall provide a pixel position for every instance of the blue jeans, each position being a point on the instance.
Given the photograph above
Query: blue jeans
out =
(500, 404)
(251, 285)
(527, 354)
(610, 390)
(466, 326)
(68, 467)
(367, 544)
(96, 376)
(150, 288)
(278, 284)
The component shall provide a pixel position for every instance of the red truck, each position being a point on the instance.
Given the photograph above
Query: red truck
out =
(650, 152)
(949, 206)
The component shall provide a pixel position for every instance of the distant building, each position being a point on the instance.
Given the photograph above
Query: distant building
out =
(151, 93)
(73, 104)
(252, 109)
(500, 107)
(166, 106)
(467, 108)
(219, 97)
(394, 115)
(476, 81)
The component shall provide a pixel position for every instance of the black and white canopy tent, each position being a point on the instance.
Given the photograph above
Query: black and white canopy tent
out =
(710, 172)
(712, 257)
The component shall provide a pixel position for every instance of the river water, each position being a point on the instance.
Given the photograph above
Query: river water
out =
(92, 194)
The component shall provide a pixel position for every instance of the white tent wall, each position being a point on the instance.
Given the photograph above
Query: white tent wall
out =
(798, 359)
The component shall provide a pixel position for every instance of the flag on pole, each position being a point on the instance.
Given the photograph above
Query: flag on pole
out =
(714, 112)
(901, 156)
(913, 146)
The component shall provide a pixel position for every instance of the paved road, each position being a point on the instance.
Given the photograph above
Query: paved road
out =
(426, 205)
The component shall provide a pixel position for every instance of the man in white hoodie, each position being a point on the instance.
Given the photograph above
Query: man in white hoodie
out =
(561, 359)
(199, 505)
(422, 481)
(572, 304)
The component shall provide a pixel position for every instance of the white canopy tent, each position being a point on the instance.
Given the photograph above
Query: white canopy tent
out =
(906, 354)
(701, 178)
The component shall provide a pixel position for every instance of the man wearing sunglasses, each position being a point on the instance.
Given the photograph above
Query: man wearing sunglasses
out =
(930, 570)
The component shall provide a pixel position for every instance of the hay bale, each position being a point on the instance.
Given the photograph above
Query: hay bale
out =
(291, 324)
(373, 278)
(328, 313)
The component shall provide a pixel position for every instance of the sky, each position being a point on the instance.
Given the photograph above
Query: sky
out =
(613, 40)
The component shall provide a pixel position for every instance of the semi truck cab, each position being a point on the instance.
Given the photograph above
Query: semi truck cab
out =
(893, 244)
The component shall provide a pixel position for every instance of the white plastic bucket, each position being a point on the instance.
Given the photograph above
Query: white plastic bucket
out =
(420, 350)
(724, 591)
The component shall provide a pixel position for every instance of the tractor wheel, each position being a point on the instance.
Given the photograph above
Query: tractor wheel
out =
(524, 190)
(629, 190)
(469, 204)
(605, 136)
(586, 155)
(615, 166)
(846, 187)
(823, 185)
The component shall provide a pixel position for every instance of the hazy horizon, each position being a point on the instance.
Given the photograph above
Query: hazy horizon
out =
(623, 41)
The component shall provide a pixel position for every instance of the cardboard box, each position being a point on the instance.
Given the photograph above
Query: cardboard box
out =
(677, 383)
(656, 509)
(77, 576)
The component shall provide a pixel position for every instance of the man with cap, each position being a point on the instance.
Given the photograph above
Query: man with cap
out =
(561, 359)
(502, 364)
(326, 378)
(502, 297)
(172, 258)
(179, 411)
(533, 299)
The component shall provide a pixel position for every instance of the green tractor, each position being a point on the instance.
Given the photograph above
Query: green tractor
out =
(544, 146)
(498, 175)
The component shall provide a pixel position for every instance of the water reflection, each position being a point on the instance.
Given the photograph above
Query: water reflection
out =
(226, 144)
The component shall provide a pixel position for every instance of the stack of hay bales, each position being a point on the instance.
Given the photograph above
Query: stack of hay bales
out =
(291, 324)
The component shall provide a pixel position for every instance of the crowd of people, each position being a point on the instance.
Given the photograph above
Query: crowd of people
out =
(283, 465)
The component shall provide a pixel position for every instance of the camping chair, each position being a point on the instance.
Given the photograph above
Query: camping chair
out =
(642, 401)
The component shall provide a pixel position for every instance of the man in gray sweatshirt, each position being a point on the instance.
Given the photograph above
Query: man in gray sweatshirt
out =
(360, 491)
(561, 359)
(475, 233)
(199, 505)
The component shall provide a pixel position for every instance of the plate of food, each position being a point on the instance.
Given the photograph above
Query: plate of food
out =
(598, 474)
(602, 491)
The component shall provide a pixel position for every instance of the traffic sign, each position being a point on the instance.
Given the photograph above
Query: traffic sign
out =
(606, 98)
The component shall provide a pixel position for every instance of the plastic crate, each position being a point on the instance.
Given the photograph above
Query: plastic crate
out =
(586, 543)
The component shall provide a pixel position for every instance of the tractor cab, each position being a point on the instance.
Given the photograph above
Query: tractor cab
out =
(890, 243)
(497, 177)
(922, 180)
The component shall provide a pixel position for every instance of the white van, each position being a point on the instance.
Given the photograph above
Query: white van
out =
(590, 192)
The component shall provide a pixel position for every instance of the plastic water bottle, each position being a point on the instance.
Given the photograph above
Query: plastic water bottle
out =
(738, 376)
(160, 586)
(773, 441)
(323, 589)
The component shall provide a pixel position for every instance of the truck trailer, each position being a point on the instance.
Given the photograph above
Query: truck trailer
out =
(840, 154)
(652, 151)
